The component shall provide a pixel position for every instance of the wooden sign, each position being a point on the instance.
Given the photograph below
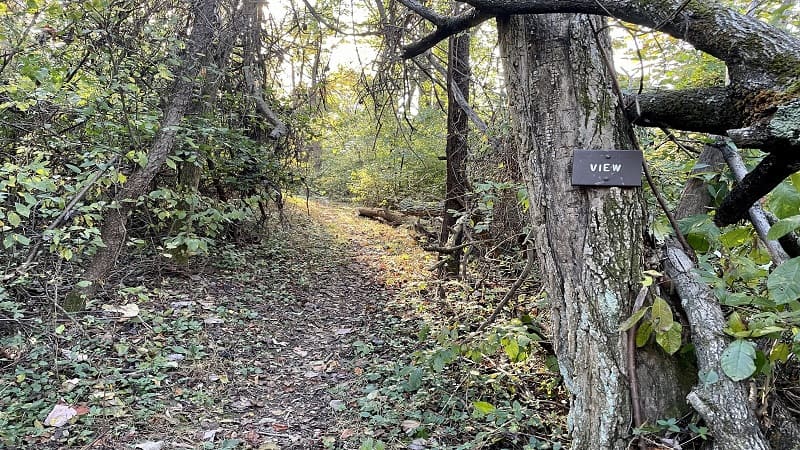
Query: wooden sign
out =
(607, 168)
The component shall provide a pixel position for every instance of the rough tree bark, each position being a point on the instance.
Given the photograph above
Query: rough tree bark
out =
(589, 241)
(458, 79)
(113, 232)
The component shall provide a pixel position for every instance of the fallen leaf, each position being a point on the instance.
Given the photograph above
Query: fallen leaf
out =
(69, 385)
(409, 425)
(213, 320)
(343, 331)
(178, 305)
(299, 351)
(128, 311)
(347, 433)
(74, 356)
(242, 403)
(358, 371)
(150, 445)
(280, 427)
(209, 435)
(81, 410)
(60, 415)
(269, 445)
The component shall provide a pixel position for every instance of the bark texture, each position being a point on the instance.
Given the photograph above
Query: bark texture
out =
(589, 241)
(458, 73)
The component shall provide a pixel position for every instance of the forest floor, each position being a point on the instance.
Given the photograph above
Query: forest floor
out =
(310, 338)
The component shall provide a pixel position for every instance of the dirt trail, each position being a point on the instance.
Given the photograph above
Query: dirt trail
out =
(297, 311)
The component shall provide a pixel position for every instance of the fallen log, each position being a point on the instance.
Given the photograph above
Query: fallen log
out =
(383, 214)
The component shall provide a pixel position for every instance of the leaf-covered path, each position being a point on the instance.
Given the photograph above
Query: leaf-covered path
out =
(323, 334)
(296, 315)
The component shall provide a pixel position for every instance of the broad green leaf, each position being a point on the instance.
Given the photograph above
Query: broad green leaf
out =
(661, 315)
(13, 219)
(483, 407)
(784, 282)
(783, 227)
(735, 237)
(738, 360)
(780, 353)
(784, 200)
(670, 340)
(633, 319)
(22, 239)
(22, 209)
(643, 333)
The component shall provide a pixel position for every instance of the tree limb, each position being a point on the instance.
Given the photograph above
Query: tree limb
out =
(445, 27)
(711, 110)
(759, 182)
(757, 215)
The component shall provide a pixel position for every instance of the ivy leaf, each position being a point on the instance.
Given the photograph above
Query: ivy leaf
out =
(738, 360)
(670, 340)
(661, 315)
(483, 407)
(783, 227)
(13, 219)
(633, 319)
(784, 282)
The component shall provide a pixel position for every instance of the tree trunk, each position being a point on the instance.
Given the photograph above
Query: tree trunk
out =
(589, 241)
(113, 232)
(458, 73)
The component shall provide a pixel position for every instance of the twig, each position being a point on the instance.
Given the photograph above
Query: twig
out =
(446, 250)
(636, 403)
(520, 279)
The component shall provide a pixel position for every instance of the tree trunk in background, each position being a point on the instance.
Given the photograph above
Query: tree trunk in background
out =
(113, 232)
(589, 240)
(458, 74)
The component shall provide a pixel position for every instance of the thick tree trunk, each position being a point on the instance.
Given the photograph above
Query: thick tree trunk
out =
(589, 241)
(458, 73)
(113, 232)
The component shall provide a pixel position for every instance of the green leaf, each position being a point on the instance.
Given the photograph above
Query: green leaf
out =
(766, 330)
(22, 209)
(784, 200)
(483, 407)
(780, 352)
(661, 315)
(738, 360)
(84, 283)
(643, 333)
(24, 240)
(783, 227)
(735, 237)
(13, 219)
(783, 283)
(670, 340)
(735, 322)
(633, 319)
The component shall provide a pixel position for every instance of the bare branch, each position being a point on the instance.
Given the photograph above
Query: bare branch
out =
(446, 27)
